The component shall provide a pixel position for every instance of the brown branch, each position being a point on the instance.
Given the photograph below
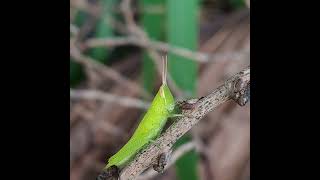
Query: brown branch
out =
(105, 70)
(128, 15)
(109, 42)
(112, 98)
(127, 12)
(162, 46)
(234, 88)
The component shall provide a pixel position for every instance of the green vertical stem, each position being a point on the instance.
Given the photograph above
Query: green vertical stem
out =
(183, 32)
(237, 4)
(76, 73)
(103, 30)
(152, 23)
(186, 166)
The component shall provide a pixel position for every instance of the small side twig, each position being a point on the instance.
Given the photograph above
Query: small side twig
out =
(127, 13)
(105, 70)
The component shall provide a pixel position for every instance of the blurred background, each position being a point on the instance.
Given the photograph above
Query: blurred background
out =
(115, 70)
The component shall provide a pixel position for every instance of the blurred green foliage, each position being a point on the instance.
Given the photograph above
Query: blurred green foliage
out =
(152, 23)
(103, 30)
(76, 74)
(236, 4)
(186, 166)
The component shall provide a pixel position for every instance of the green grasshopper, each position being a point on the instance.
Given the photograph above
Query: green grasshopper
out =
(150, 127)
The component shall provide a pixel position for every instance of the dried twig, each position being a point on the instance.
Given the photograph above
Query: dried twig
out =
(234, 88)
(109, 42)
(112, 98)
(162, 46)
(107, 71)
(127, 13)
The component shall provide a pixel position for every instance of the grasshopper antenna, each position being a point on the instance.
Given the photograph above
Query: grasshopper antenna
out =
(164, 69)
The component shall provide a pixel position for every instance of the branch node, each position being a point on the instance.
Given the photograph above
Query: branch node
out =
(187, 105)
(241, 91)
(162, 161)
(111, 173)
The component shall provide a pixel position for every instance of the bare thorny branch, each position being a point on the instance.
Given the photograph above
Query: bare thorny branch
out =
(236, 88)
(107, 71)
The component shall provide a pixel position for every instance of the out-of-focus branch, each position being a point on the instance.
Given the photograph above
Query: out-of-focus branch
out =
(106, 71)
(138, 37)
(127, 13)
(112, 98)
(161, 46)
